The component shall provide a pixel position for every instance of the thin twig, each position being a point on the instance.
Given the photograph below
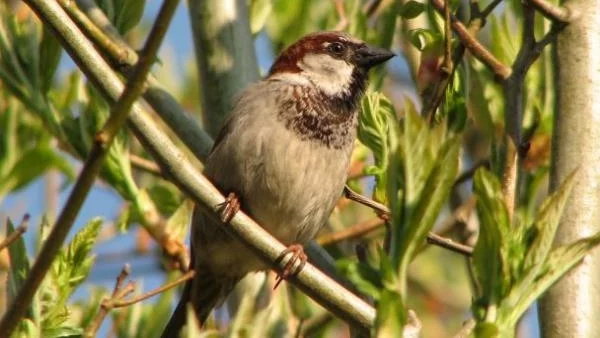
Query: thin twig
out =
(122, 303)
(355, 231)
(449, 244)
(371, 7)
(486, 11)
(551, 11)
(468, 174)
(145, 165)
(382, 210)
(475, 47)
(114, 48)
(106, 306)
(19, 231)
(102, 142)
(447, 63)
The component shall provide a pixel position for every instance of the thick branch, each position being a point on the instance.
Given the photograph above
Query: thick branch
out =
(91, 168)
(313, 282)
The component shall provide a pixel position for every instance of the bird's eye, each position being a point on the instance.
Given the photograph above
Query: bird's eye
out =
(337, 48)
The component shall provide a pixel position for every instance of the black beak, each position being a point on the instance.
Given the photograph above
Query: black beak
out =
(368, 56)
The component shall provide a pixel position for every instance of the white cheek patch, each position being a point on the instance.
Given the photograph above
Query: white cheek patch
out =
(331, 75)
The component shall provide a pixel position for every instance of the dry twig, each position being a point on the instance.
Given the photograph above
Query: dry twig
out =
(19, 231)
(383, 211)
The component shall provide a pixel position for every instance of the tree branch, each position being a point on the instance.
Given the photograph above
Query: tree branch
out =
(163, 103)
(91, 168)
(118, 292)
(475, 47)
(351, 232)
(551, 11)
(384, 212)
(313, 282)
(19, 231)
(184, 278)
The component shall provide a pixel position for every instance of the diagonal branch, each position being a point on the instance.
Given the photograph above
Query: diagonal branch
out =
(91, 168)
(551, 11)
(475, 47)
(19, 231)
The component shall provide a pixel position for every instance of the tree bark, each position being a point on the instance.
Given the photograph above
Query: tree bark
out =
(570, 308)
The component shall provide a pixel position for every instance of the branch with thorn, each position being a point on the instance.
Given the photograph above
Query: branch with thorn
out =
(384, 212)
(19, 231)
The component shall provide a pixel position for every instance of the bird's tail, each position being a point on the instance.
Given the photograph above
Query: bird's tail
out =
(205, 291)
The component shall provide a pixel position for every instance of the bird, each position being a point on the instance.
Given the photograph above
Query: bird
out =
(281, 156)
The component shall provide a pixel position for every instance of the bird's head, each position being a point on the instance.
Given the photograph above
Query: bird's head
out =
(333, 62)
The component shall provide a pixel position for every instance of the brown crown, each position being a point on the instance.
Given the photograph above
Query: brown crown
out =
(311, 43)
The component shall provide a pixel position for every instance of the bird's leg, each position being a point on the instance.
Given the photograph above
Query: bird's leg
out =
(290, 268)
(230, 207)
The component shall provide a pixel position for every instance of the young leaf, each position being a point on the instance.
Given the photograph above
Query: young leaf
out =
(177, 225)
(431, 198)
(411, 9)
(558, 263)
(74, 262)
(546, 223)
(487, 255)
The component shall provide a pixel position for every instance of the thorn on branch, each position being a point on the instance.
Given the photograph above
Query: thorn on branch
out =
(19, 231)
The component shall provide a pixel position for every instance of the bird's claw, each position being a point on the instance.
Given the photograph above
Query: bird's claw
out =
(291, 268)
(229, 208)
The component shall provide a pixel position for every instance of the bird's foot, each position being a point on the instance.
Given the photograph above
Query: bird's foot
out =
(230, 207)
(294, 265)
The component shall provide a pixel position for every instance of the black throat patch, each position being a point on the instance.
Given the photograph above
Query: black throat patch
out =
(314, 115)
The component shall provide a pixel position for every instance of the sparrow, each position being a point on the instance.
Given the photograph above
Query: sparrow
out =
(282, 155)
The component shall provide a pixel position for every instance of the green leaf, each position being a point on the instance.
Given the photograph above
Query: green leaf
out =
(177, 225)
(33, 164)
(558, 263)
(124, 14)
(423, 38)
(69, 270)
(376, 115)
(259, 13)
(391, 314)
(488, 261)
(411, 9)
(432, 196)
(50, 52)
(366, 278)
(63, 331)
(166, 196)
(547, 221)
